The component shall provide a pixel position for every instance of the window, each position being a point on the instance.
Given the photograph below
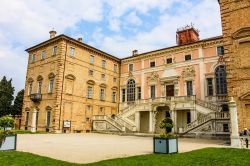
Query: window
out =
(72, 52)
(169, 60)
(48, 119)
(152, 64)
(188, 57)
(152, 92)
(221, 80)
(102, 109)
(43, 55)
(102, 94)
(91, 72)
(27, 121)
(39, 90)
(54, 50)
(220, 50)
(103, 77)
(138, 93)
(131, 90)
(89, 108)
(189, 88)
(115, 68)
(123, 95)
(188, 117)
(90, 92)
(87, 120)
(91, 59)
(33, 58)
(114, 97)
(30, 88)
(130, 67)
(209, 86)
(37, 114)
(103, 64)
(51, 86)
(114, 79)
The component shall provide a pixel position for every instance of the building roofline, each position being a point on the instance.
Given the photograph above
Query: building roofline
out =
(144, 53)
(72, 39)
(114, 57)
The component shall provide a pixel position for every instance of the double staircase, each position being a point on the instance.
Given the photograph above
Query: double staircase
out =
(211, 118)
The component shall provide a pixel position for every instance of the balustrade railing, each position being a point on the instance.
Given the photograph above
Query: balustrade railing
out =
(208, 105)
(205, 118)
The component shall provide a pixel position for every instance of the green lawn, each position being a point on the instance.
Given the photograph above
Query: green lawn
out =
(208, 156)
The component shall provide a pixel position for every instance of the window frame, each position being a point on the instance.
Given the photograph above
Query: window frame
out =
(169, 59)
(51, 86)
(90, 92)
(152, 91)
(54, 50)
(220, 50)
(104, 64)
(91, 59)
(72, 51)
(152, 62)
(102, 94)
(129, 67)
(189, 88)
(187, 55)
(43, 55)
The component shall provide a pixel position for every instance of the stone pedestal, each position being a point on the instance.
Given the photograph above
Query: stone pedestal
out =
(235, 141)
(33, 125)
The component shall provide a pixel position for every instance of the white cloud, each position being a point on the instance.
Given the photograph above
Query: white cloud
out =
(24, 23)
(133, 19)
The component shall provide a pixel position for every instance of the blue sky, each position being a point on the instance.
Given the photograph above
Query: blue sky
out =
(114, 26)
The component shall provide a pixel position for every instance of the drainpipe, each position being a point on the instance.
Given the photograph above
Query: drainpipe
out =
(65, 55)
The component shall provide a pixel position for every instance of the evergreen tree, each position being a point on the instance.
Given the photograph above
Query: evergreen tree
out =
(6, 96)
(18, 104)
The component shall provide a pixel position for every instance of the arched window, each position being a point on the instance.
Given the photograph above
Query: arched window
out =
(221, 80)
(131, 90)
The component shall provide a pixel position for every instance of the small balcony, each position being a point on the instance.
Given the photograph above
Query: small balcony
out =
(36, 97)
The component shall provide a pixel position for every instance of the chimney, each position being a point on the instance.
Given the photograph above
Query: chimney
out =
(52, 34)
(187, 35)
(79, 39)
(135, 52)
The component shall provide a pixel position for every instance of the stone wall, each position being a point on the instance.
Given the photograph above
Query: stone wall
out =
(235, 16)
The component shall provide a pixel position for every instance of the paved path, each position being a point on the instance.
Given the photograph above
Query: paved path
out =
(89, 147)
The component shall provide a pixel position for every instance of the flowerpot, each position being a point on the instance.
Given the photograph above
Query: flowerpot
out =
(165, 145)
(8, 142)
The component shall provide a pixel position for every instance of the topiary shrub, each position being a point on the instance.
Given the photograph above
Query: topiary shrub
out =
(167, 124)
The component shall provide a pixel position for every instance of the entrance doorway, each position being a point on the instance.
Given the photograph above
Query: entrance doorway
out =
(169, 90)
(144, 121)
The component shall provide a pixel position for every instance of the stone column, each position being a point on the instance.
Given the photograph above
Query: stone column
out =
(137, 121)
(33, 125)
(174, 118)
(151, 121)
(235, 141)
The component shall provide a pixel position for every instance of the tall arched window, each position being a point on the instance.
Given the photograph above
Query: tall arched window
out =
(131, 90)
(221, 80)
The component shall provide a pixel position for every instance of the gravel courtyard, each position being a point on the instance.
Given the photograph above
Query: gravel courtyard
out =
(89, 147)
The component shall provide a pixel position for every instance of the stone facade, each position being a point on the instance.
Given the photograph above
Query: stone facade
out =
(235, 16)
(70, 82)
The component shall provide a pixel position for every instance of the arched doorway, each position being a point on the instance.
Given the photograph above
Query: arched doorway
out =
(131, 90)
(162, 113)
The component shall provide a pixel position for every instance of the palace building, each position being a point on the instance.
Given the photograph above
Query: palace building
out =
(73, 87)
